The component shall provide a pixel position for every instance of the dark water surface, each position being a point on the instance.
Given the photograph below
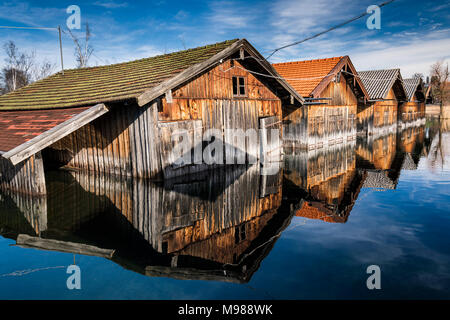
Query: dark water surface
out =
(308, 232)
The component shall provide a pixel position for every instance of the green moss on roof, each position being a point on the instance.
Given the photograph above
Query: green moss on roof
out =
(109, 83)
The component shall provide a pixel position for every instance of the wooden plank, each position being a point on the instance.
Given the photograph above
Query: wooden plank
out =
(27, 241)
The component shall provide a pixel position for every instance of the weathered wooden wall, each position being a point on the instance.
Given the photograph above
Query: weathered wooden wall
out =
(124, 141)
(26, 177)
(411, 113)
(385, 112)
(137, 141)
(380, 117)
(320, 125)
(364, 118)
(190, 101)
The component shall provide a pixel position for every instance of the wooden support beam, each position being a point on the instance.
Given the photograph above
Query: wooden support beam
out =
(27, 241)
(169, 98)
(58, 132)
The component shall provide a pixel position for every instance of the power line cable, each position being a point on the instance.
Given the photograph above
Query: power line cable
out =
(326, 31)
(28, 28)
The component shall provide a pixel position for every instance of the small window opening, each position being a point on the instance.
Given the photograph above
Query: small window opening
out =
(239, 87)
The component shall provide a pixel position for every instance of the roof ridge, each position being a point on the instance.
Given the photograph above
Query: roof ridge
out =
(311, 60)
(153, 57)
(375, 70)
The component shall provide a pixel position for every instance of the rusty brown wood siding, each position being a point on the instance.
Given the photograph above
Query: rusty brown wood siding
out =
(385, 112)
(26, 177)
(216, 84)
(411, 111)
(341, 94)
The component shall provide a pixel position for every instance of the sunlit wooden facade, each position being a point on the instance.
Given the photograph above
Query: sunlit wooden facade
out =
(412, 112)
(386, 93)
(332, 94)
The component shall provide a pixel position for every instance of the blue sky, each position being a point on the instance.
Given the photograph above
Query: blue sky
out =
(413, 34)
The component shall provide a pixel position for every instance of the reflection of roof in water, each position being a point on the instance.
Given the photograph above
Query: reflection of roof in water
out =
(379, 179)
(318, 211)
(408, 163)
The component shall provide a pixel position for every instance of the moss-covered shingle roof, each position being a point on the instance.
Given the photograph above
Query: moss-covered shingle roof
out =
(89, 86)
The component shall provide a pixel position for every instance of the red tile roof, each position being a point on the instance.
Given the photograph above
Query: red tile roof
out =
(17, 127)
(313, 71)
(318, 212)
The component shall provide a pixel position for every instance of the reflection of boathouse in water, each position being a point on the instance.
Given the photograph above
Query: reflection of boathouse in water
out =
(216, 227)
(329, 180)
(383, 158)
(110, 127)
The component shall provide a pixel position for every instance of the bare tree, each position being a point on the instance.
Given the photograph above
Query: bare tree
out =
(439, 76)
(12, 79)
(83, 51)
(43, 70)
(418, 76)
(21, 68)
(18, 72)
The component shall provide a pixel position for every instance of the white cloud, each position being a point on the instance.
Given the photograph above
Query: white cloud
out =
(111, 4)
(23, 13)
(415, 56)
(230, 15)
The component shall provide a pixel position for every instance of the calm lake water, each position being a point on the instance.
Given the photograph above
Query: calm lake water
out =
(308, 232)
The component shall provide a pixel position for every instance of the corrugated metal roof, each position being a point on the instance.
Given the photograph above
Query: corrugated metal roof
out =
(379, 82)
(379, 180)
(408, 163)
(411, 87)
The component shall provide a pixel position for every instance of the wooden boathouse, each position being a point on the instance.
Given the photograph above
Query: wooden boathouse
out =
(413, 110)
(118, 119)
(332, 94)
(386, 92)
